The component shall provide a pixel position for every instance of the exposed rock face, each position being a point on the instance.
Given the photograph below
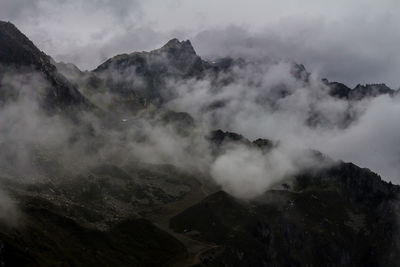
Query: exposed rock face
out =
(174, 58)
(370, 90)
(19, 54)
(359, 92)
(144, 73)
(220, 139)
(300, 72)
(337, 89)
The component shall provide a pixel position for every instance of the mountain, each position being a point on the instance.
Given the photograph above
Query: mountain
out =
(49, 239)
(146, 74)
(19, 54)
(359, 92)
(174, 58)
(141, 79)
(95, 219)
(219, 139)
(340, 216)
(371, 90)
(130, 183)
(143, 74)
(147, 215)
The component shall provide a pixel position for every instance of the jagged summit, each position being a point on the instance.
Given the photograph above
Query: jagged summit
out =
(176, 45)
(176, 53)
(16, 48)
(175, 60)
(359, 91)
(378, 87)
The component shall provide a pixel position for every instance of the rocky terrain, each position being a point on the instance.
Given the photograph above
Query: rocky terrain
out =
(116, 176)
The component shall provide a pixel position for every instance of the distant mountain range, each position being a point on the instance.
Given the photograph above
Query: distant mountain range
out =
(175, 59)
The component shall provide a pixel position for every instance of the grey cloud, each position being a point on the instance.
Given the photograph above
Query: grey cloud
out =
(337, 51)
(253, 107)
(55, 148)
(348, 42)
(16, 9)
(348, 49)
(369, 141)
(77, 31)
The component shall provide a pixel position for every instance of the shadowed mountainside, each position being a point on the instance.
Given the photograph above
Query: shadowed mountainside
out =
(19, 54)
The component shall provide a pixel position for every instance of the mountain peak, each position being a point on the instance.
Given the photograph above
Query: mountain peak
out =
(172, 42)
(7, 24)
(15, 46)
(176, 45)
(374, 89)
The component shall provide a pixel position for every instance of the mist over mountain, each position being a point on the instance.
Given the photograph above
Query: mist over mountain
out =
(18, 52)
(163, 158)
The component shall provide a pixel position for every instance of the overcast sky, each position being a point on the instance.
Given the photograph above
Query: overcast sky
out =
(349, 41)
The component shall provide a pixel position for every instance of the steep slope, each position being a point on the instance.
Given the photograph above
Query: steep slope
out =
(341, 216)
(19, 55)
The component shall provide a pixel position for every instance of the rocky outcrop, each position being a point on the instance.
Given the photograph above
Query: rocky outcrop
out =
(219, 139)
(359, 92)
